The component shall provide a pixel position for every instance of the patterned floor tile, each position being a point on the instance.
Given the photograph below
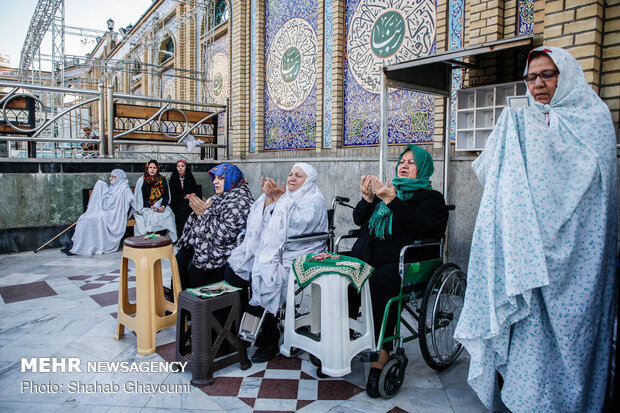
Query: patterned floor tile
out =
(23, 292)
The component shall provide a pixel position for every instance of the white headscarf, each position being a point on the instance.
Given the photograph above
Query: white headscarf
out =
(298, 212)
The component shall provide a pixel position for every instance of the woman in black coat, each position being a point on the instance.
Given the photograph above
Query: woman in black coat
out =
(182, 187)
(391, 217)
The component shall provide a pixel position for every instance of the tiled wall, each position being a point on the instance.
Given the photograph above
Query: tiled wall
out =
(379, 32)
(290, 74)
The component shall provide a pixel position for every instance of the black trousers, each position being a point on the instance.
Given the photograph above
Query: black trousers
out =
(269, 335)
(385, 283)
(192, 276)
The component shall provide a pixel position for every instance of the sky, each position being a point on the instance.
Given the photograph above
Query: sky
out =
(91, 14)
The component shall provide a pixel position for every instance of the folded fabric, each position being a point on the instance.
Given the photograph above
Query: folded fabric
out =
(212, 290)
(308, 267)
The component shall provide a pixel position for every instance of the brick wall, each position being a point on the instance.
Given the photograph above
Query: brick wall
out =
(610, 72)
(240, 85)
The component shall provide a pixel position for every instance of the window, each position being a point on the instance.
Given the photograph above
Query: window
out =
(166, 50)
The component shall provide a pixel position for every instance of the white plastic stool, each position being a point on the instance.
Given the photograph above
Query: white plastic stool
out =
(329, 317)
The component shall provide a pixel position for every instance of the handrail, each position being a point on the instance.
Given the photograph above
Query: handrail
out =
(106, 118)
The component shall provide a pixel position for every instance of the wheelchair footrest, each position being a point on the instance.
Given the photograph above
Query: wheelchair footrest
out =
(368, 356)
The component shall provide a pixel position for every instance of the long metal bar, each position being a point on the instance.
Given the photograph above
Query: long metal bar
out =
(50, 88)
(110, 118)
(226, 128)
(56, 140)
(383, 128)
(180, 102)
(102, 135)
(164, 143)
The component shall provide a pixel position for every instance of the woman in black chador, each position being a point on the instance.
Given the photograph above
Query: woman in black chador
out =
(182, 187)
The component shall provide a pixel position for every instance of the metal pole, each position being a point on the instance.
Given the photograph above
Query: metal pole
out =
(446, 164)
(226, 133)
(102, 135)
(383, 127)
(446, 149)
(110, 118)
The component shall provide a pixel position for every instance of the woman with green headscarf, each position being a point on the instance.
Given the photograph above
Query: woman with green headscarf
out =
(391, 217)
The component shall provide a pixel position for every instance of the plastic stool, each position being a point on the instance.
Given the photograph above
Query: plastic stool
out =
(150, 306)
(329, 337)
(200, 332)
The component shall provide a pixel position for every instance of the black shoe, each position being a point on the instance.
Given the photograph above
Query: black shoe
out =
(372, 387)
(69, 253)
(264, 354)
(66, 248)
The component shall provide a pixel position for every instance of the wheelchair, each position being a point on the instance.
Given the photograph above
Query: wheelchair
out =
(432, 293)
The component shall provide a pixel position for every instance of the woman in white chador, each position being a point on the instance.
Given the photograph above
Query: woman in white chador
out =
(279, 213)
(99, 230)
(152, 197)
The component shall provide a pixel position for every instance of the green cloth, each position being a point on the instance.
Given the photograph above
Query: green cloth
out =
(380, 223)
(357, 270)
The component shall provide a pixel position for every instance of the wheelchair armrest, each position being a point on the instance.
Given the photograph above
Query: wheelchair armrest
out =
(353, 233)
(418, 244)
(301, 238)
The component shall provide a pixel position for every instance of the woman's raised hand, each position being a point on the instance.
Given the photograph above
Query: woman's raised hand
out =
(385, 193)
(366, 188)
(198, 205)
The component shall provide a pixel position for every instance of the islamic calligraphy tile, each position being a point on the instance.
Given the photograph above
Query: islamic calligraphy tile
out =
(290, 74)
(381, 32)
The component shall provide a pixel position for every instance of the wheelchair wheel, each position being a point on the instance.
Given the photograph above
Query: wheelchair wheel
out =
(392, 376)
(441, 308)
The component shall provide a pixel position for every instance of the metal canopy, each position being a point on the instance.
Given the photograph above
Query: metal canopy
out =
(433, 74)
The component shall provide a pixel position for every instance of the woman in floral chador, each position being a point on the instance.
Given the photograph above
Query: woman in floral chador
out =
(211, 231)
(541, 277)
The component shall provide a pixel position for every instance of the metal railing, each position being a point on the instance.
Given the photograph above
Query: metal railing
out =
(51, 140)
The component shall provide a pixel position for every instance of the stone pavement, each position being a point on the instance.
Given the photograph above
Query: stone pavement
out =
(58, 306)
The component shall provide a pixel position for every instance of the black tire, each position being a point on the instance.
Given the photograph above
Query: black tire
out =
(441, 308)
(391, 378)
(314, 360)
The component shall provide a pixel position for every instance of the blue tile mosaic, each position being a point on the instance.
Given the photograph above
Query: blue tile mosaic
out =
(218, 75)
(290, 74)
(455, 41)
(253, 71)
(380, 32)
(327, 77)
(526, 16)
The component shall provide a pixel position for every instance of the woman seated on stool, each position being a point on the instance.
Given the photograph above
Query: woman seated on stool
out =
(211, 231)
(182, 187)
(151, 202)
(394, 216)
(279, 213)
(99, 230)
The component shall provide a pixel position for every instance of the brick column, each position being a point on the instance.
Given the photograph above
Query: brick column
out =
(338, 74)
(610, 75)
(240, 84)
(577, 26)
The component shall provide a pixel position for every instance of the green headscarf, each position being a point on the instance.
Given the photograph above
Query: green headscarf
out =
(381, 220)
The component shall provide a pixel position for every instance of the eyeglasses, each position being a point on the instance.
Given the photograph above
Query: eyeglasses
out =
(544, 75)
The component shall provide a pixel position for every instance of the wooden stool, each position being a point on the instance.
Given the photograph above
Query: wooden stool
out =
(150, 306)
(197, 321)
